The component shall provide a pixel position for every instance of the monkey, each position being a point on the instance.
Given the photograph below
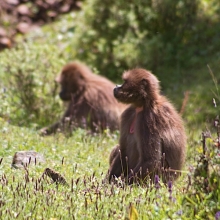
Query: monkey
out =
(90, 101)
(152, 134)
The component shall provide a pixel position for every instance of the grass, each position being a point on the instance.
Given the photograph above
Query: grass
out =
(83, 159)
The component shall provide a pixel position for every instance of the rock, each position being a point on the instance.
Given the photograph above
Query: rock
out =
(24, 158)
(3, 32)
(5, 42)
(23, 27)
(24, 10)
(13, 2)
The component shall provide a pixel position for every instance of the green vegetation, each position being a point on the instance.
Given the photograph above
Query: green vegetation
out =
(29, 93)
(176, 40)
(83, 160)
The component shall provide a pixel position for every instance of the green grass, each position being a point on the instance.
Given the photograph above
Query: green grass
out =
(83, 159)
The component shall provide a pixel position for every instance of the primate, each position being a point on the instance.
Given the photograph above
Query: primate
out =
(91, 103)
(152, 136)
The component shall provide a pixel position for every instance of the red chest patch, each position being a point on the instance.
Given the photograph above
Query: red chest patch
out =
(137, 110)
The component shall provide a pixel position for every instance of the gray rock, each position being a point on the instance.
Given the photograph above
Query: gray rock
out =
(24, 158)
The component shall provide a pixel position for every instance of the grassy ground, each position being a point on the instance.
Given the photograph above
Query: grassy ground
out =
(83, 159)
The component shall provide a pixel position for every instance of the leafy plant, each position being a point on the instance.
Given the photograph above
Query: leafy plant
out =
(204, 179)
(28, 72)
(114, 36)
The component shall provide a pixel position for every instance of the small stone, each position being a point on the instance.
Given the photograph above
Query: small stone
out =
(24, 158)
(65, 8)
(23, 10)
(5, 42)
(12, 2)
(23, 27)
(3, 32)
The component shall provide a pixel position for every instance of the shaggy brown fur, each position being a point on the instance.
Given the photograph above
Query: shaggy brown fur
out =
(91, 103)
(152, 136)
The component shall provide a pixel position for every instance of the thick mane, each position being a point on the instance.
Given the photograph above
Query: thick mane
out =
(152, 136)
(90, 97)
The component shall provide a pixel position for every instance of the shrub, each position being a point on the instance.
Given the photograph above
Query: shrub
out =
(114, 36)
(29, 93)
(204, 182)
